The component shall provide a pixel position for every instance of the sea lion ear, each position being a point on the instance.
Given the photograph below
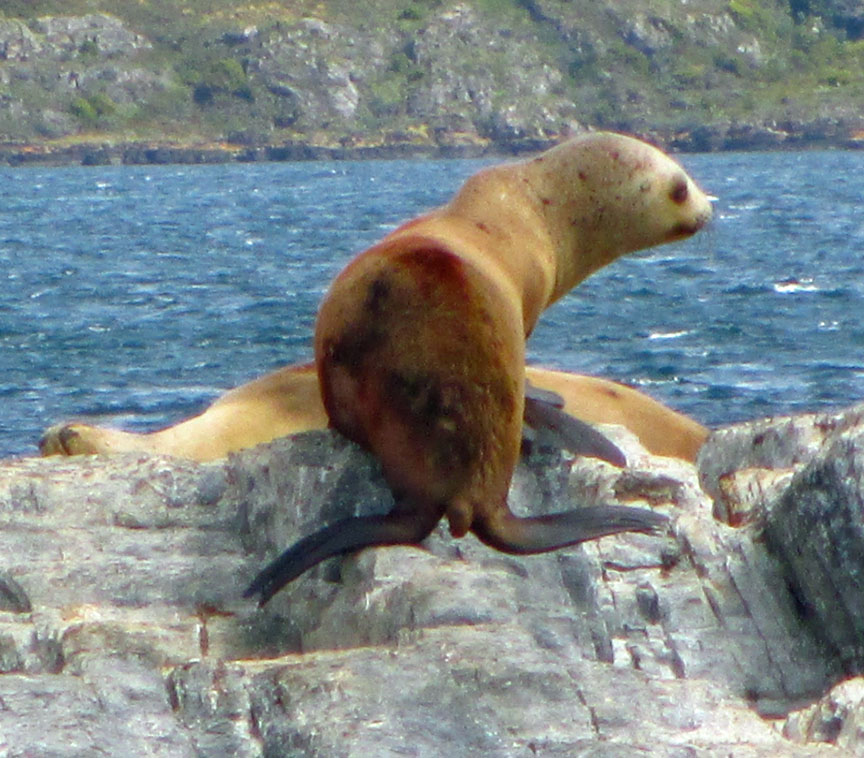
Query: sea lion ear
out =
(567, 432)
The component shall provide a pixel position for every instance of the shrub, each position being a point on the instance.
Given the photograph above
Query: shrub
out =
(223, 76)
(102, 104)
(93, 109)
(89, 48)
(83, 110)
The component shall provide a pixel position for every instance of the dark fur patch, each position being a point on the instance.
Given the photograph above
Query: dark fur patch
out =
(352, 348)
(377, 297)
(437, 409)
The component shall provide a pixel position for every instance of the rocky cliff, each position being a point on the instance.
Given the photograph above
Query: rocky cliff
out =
(123, 630)
(238, 81)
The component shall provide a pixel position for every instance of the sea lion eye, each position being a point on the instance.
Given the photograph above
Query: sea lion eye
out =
(679, 192)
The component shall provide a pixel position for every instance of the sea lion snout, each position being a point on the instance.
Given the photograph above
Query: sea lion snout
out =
(688, 229)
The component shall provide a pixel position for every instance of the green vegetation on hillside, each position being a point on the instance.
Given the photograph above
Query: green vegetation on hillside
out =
(339, 70)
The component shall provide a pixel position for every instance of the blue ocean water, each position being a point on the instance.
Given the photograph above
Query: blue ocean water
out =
(133, 296)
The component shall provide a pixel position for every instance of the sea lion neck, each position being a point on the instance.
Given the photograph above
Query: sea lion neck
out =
(496, 210)
(574, 213)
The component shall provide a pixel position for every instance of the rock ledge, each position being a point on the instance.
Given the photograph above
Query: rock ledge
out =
(123, 630)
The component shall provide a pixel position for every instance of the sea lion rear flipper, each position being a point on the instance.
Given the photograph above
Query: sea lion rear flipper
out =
(567, 431)
(399, 527)
(540, 534)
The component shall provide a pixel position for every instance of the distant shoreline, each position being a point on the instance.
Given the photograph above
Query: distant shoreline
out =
(152, 153)
(109, 152)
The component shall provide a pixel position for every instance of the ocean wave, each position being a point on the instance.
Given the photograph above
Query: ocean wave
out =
(792, 285)
(668, 335)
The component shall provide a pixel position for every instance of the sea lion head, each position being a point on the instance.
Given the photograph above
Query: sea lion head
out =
(604, 195)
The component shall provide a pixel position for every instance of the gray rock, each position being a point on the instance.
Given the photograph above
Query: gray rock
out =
(836, 718)
(100, 33)
(648, 34)
(465, 71)
(741, 467)
(316, 68)
(17, 41)
(816, 527)
(123, 630)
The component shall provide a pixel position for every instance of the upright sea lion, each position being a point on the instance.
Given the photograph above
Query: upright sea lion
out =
(420, 341)
(288, 401)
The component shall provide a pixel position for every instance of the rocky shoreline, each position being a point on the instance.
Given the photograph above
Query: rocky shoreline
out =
(702, 139)
(153, 153)
(455, 80)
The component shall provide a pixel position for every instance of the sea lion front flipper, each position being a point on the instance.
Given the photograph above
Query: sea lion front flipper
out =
(399, 527)
(567, 431)
(72, 439)
(550, 397)
(540, 534)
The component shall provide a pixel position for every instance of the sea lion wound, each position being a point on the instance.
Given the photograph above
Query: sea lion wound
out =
(420, 342)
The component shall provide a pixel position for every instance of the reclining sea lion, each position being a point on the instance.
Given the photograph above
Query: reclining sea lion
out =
(288, 401)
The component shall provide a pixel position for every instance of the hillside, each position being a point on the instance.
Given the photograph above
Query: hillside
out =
(697, 74)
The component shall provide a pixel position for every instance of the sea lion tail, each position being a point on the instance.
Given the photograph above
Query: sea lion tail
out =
(540, 534)
(345, 536)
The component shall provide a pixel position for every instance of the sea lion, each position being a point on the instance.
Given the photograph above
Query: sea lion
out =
(288, 401)
(420, 341)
